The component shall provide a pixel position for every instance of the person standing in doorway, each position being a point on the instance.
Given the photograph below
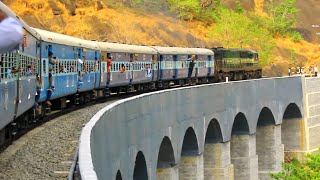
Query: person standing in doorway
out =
(109, 63)
(191, 65)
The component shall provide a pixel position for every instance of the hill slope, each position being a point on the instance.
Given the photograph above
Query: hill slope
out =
(123, 22)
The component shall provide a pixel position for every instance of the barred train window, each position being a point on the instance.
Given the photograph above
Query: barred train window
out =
(7, 62)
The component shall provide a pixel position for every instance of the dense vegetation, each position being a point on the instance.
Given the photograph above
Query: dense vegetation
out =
(309, 170)
(239, 28)
(233, 27)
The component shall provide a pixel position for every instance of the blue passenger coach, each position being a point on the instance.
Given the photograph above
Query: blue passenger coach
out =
(70, 69)
(17, 75)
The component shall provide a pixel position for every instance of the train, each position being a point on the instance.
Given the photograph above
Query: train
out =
(54, 71)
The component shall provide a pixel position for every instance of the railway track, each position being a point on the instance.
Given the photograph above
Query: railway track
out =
(46, 151)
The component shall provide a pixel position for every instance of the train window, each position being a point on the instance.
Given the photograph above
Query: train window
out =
(28, 65)
(108, 55)
(7, 66)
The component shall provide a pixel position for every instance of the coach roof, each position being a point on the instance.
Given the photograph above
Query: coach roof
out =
(125, 48)
(57, 38)
(181, 50)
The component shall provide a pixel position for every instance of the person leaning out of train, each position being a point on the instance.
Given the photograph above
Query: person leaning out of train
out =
(11, 33)
(52, 62)
(109, 63)
(123, 68)
(12, 71)
(96, 65)
(84, 64)
(191, 65)
(29, 70)
(62, 69)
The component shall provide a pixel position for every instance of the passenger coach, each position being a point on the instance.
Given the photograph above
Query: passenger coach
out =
(69, 66)
(18, 77)
(174, 65)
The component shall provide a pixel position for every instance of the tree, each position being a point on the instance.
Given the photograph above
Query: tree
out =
(186, 9)
(281, 16)
(310, 170)
(237, 30)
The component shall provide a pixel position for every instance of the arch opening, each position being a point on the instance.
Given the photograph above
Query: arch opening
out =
(118, 177)
(240, 125)
(266, 117)
(166, 156)
(291, 128)
(190, 143)
(140, 168)
(213, 134)
(292, 111)
(268, 144)
(243, 149)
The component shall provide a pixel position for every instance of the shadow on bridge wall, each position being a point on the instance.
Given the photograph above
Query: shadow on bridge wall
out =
(210, 131)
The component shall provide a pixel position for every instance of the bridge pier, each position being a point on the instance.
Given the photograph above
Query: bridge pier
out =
(191, 167)
(168, 173)
(243, 156)
(270, 150)
(217, 161)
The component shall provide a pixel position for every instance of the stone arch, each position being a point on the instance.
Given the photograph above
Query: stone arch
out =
(292, 111)
(140, 168)
(213, 134)
(266, 117)
(291, 127)
(191, 162)
(240, 125)
(118, 177)
(190, 143)
(216, 155)
(243, 149)
(268, 144)
(166, 155)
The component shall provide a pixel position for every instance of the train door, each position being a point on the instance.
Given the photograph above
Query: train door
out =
(109, 75)
(161, 66)
(132, 67)
(50, 67)
(196, 65)
(155, 68)
(210, 65)
(103, 69)
(176, 66)
(97, 71)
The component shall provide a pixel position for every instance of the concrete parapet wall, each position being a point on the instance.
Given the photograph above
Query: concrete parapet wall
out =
(114, 136)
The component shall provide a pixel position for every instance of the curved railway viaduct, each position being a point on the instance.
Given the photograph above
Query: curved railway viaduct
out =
(236, 130)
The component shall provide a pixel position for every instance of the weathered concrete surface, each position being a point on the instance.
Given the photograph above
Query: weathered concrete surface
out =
(118, 132)
(191, 167)
(244, 157)
(217, 162)
(270, 150)
(168, 173)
